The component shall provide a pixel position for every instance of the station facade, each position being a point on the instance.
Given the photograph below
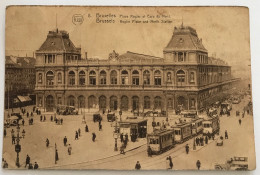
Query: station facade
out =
(186, 77)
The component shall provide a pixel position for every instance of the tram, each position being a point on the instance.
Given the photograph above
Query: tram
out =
(182, 132)
(160, 140)
(211, 125)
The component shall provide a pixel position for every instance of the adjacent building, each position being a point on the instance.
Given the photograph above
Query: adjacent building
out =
(186, 77)
(19, 80)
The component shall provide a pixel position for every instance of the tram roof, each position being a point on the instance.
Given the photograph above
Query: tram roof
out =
(159, 132)
(135, 120)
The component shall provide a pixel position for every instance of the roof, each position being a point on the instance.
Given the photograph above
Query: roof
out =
(20, 62)
(137, 56)
(185, 38)
(58, 41)
(134, 121)
(161, 132)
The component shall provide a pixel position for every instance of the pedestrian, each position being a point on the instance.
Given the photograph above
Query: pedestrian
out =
(121, 137)
(27, 114)
(149, 151)
(79, 132)
(122, 149)
(100, 127)
(99, 122)
(86, 128)
(13, 140)
(126, 137)
(137, 165)
(51, 118)
(31, 120)
(239, 121)
(187, 148)
(27, 161)
(30, 166)
(202, 141)
(213, 136)
(5, 132)
(31, 114)
(196, 141)
(36, 166)
(171, 164)
(47, 142)
(41, 118)
(226, 135)
(44, 118)
(23, 122)
(198, 164)
(56, 155)
(167, 163)
(206, 140)
(61, 121)
(76, 135)
(69, 149)
(93, 137)
(65, 141)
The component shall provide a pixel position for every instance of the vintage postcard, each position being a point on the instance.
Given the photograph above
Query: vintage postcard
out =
(128, 88)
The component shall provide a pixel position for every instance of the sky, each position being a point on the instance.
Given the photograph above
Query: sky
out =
(224, 30)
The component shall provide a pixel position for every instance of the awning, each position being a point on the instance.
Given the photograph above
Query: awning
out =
(24, 98)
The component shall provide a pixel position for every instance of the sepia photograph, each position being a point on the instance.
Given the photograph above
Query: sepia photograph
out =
(128, 88)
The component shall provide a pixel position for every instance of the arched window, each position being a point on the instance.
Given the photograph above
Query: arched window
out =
(180, 76)
(71, 101)
(146, 77)
(157, 78)
(113, 77)
(124, 77)
(103, 77)
(81, 101)
(92, 101)
(40, 78)
(157, 102)
(71, 78)
(82, 78)
(59, 78)
(147, 104)
(192, 77)
(49, 78)
(92, 77)
(135, 79)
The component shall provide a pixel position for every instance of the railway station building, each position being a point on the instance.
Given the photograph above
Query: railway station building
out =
(184, 77)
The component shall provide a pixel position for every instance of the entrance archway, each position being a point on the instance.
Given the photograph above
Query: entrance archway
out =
(113, 103)
(49, 103)
(135, 103)
(102, 102)
(124, 103)
(181, 102)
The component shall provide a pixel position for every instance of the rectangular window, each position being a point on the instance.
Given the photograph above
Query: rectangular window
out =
(92, 81)
(157, 81)
(135, 81)
(103, 81)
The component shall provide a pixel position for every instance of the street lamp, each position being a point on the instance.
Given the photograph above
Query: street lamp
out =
(18, 146)
(153, 123)
(116, 136)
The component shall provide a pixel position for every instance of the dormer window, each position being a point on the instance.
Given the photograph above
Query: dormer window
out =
(52, 43)
(181, 40)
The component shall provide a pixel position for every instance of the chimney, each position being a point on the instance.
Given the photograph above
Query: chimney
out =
(86, 55)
